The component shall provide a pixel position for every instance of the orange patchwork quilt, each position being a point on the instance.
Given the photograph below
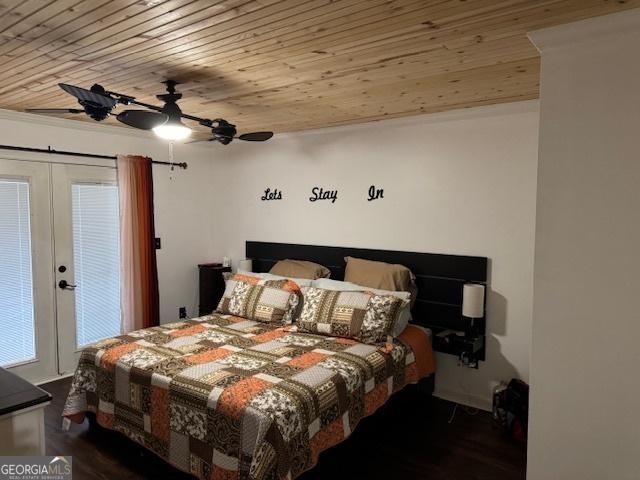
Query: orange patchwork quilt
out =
(224, 397)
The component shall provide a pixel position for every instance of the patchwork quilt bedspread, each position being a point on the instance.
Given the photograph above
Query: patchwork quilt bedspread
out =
(227, 398)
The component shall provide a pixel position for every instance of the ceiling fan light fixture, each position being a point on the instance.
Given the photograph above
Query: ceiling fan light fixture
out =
(173, 129)
(165, 121)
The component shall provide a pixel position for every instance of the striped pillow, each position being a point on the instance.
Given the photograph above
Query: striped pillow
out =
(268, 301)
(363, 316)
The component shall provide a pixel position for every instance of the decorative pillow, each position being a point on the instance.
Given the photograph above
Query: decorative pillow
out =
(269, 301)
(363, 316)
(405, 314)
(300, 269)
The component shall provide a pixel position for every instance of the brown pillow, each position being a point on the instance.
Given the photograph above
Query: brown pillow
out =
(300, 269)
(381, 275)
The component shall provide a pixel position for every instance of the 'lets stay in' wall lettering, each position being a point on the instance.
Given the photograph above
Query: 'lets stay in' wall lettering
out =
(375, 193)
(318, 193)
(271, 195)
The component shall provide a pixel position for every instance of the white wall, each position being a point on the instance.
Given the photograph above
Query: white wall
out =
(182, 205)
(458, 183)
(584, 419)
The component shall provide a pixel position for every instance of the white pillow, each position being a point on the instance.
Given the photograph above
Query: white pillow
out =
(302, 282)
(405, 315)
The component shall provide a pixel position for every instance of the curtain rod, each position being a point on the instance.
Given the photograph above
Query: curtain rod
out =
(79, 154)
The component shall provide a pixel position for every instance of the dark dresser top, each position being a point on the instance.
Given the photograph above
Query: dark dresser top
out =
(17, 394)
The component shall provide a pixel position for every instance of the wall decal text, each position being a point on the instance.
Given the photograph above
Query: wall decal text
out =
(320, 194)
(375, 193)
(271, 195)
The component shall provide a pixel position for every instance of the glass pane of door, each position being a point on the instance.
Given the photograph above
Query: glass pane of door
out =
(96, 258)
(17, 342)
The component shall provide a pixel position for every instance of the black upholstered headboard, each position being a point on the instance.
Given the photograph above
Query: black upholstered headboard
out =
(439, 277)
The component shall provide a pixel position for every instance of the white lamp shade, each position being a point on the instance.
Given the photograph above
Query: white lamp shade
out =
(245, 265)
(473, 300)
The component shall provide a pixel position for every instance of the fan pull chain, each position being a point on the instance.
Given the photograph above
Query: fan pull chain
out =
(171, 160)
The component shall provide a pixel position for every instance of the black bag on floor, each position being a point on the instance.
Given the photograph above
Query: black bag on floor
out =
(511, 408)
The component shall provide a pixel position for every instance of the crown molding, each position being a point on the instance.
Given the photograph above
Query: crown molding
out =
(589, 31)
(484, 111)
(34, 119)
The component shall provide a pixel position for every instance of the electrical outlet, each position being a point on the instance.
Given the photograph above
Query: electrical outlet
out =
(158, 243)
(182, 312)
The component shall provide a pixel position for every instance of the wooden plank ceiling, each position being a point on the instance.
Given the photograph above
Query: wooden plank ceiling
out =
(282, 65)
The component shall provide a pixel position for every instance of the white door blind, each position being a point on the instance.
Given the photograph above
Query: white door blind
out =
(17, 341)
(96, 254)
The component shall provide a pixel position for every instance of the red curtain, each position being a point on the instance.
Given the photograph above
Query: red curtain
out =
(138, 267)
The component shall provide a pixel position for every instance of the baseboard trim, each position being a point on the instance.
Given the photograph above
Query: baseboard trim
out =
(469, 400)
(53, 379)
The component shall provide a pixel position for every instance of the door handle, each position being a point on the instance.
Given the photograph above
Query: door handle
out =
(63, 284)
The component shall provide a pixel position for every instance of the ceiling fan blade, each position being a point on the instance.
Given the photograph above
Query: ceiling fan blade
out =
(142, 119)
(256, 136)
(85, 95)
(54, 110)
(201, 140)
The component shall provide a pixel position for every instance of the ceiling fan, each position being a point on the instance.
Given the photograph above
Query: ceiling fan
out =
(96, 102)
(165, 121)
(224, 132)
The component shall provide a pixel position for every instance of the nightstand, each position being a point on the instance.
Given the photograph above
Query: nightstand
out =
(468, 348)
(211, 286)
(21, 415)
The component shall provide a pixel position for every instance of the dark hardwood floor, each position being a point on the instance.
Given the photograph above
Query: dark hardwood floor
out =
(408, 438)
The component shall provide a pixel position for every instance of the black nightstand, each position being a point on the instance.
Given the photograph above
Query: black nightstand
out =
(468, 348)
(211, 286)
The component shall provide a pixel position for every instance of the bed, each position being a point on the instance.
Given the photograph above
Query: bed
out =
(223, 397)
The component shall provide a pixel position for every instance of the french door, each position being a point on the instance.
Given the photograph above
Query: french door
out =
(87, 258)
(59, 264)
(27, 327)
